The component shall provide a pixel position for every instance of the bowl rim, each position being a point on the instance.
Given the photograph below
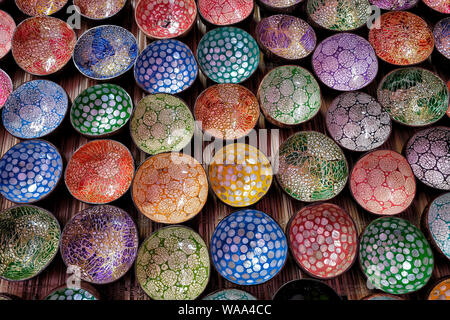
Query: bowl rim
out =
(228, 24)
(381, 294)
(228, 289)
(16, 2)
(15, 26)
(310, 280)
(78, 10)
(435, 284)
(83, 285)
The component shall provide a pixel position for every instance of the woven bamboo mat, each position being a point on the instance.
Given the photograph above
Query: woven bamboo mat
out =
(351, 285)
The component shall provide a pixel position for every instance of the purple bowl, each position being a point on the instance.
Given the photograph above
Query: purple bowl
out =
(394, 4)
(441, 33)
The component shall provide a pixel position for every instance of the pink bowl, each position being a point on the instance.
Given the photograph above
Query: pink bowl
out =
(225, 12)
(6, 87)
(7, 27)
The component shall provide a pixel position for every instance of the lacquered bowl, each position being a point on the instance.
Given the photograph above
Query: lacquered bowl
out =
(428, 152)
(7, 296)
(99, 172)
(345, 62)
(7, 28)
(173, 264)
(402, 38)
(286, 37)
(99, 9)
(35, 109)
(228, 55)
(161, 123)
(40, 8)
(311, 167)
(6, 87)
(30, 171)
(226, 111)
(323, 240)
(240, 174)
(395, 256)
(43, 45)
(248, 247)
(357, 122)
(394, 4)
(101, 110)
(280, 5)
(442, 6)
(441, 33)
(101, 242)
(83, 292)
(230, 294)
(166, 66)
(381, 296)
(225, 12)
(29, 241)
(441, 290)
(170, 188)
(307, 290)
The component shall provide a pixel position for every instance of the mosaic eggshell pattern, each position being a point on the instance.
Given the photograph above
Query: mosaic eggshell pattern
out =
(402, 39)
(394, 4)
(442, 6)
(345, 62)
(29, 240)
(240, 174)
(102, 241)
(357, 122)
(413, 96)
(7, 27)
(35, 109)
(40, 7)
(287, 37)
(225, 12)
(227, 111)
(6, 87)
(306, 290)
(428, 153)
(100, 171)
(230, 294)
(248, 247)
(173, 264)
(437, 218)
(71, 294)
(161, 123)
(99, 9)
(395, 256)
(311, 167)
(441, 34)
(280, 4)
(29, 171)
(441, 291)
(166, 66)
(170, 188)
(228, 55)
(323, 239)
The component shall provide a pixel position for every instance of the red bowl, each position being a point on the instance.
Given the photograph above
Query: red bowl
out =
(40, 7)
(7, 27)
(99, 9)
(225, 12)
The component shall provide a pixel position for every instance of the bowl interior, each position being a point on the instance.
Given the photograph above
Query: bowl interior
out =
(439, 5)
(394, 4)
(442, 36)
(438, 221)
(99, 9)
(230, 294)
(7, 27)
(74, 294)
(6, 87)
(222, 13)
(40, 8)
(440, 291)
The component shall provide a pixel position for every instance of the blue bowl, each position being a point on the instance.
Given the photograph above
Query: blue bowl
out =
(35, 109)
(105, 52)
(248, 247)
(166, 66)
(29, 171)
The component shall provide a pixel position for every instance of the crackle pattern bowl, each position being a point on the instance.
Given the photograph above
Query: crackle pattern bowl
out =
(248, 247)
(230, 294)
(442, 6)
(441, 291)
(102, 242)
(173, 264)
(394, 4)
(6, 87)
(40, 7)
(29, 241)
(280, 5)
(381, 296)
(99, 9)
(441, 33)
(83, 292)
(306, 290)
(7, 28)
(225, 12)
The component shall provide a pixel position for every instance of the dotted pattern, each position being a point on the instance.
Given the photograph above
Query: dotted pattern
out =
(6, 87)
(394, 5)
(438, 223)
(442, 6)
(41, 7)
(230, 294)
(441, 33)
(29, 171)
(7, 27)
(441, 291)
(248, 247)
(225, 12)
(99, 9)
(71, 294)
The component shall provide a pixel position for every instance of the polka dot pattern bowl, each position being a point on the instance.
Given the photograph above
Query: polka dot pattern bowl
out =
(165, 66)
(345, 62)
(100, 171)
(248, 247)
(173, 264)
(395, 256)
(30, 171)
(442, 6)
(7, 28)
(225, 12)
(99, 9)
(441, 33)
(6, 87)
(29, 241)
(441, 291)
(170, 188)
(83, 292)
(323, 240)
(161, 123)
(307, 290)
(311, 167)
(230, 294)
(101, 241)
(357, 122)
(228, 55)
(35, 109)
(40, 7)
(394, 4)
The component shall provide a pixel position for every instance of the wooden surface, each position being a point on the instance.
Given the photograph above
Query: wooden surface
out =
(351, 285)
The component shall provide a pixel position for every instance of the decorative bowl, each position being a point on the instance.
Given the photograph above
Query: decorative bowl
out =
(166, 66)
(173, 264)
(99, 9)
(35, 109)
(101, 110)
(248, 247)
(339, 15)
(442, 6)
(280, 5)
(225, 12)
(43, 45)
(29, 241)
(226, 111)
(402, 38)
(345, 62)
(394, 5)
(7, 296)
(307, 290)
(441, 33)
(381, 296)
(311, 167)
(40, 7)
(286, 37)
(323, 240)
(230, 294)
(441, 291)
(101, 242)
(240, 174)
(170, 188)
(228, 55)
(395, 256)
(105, 52)
(357, 122)
(83, 292)
(7, 28)
(30, 171)
(99, 172)
(6, 87)
(162, 19)
(161, 123)
(448, 110)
